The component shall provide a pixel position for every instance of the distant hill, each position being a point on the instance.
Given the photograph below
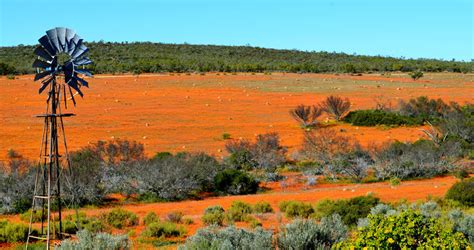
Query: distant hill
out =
(145, 57)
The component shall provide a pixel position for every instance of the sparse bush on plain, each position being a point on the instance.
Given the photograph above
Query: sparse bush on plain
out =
(175, 216)
(262, 207)
(12, 232)
(415, 75)
(294, 209)
(87, 240)
(379, 117)
(213, 216)
(462, 192)
(229, 238)
(232, 181)
(150, 217)
(306, 116)
(163, 229)
(119, 218)
(336, 106)
(350, 210)
(238, 211)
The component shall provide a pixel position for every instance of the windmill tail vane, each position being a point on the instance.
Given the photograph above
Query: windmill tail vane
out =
(58, 43)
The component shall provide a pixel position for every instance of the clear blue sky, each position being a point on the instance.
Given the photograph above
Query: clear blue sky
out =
(408, 28)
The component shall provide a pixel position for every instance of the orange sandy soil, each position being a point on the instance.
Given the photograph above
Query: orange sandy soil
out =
(170, 112)
(410, 190)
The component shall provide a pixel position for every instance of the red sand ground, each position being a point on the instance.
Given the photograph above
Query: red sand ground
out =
(191, 112)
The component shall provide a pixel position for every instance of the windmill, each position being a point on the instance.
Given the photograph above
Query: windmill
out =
(60, 65)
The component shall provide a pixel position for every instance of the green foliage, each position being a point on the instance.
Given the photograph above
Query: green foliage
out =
(149, 218)
(415, 75)
(262, 207)
(161, 155)
(213, 216)
(226, 136)
(163, 229)
(119, 218)
(394, 181)
(87, 240)
(75, 222)
(36, 216)
(462, 192)
(232, 181)
(146, 57)
(407, 229)
(13, 232)
(461, 173)
(296, 209)
(425, 108)
(6, 69)
(307, 234)
(229, 238)
(253, 222)
(379, 117)
(238, 211)
(350, 210)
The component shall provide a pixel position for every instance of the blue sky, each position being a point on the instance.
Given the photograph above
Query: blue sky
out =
(408, 28)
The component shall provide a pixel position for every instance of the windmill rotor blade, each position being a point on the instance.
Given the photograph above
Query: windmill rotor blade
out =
(84, 72)
(73, 84)
(41, 64)
(41, 52)
(79, 51)
(45, 84)
(82, 81)
(61, 37)
(44, 41)
(68, 69)
(73, 44)
(53, 37)
(69, 35)
(82, 61)
(42, 74)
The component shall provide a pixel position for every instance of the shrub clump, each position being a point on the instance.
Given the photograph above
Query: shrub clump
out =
(350, 210)
(462, 192)
(150, 218)
(175, 216)
(238, 211)
(12, 232)
(87, 240)
(119, 218)
(163, 229)
(408, 229)
(307, 234)
(262, 207)
(379, 117)
(232, 181)
(213, 216)
(229, 238)
(296, 209)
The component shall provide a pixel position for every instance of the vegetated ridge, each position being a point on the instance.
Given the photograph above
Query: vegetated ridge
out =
(147, 57)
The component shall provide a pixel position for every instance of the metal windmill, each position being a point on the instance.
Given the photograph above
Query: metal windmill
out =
(60, 54)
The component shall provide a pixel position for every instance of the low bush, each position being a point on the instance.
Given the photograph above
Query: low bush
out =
(163, 229)
(306, 116)
(462, 192)
(87, 240)
(36, 216)
(119, 218)
(424, 108)
(408, 229)
(253, 222)
(353, 165)
(307, 234)
(76, 222)
(150, 217)
(232, 181)
(262, 207)
(229, 238)
(296, 209)
(379, 117)
(238, 211)
(175, 216)
(335, 106)
(350, 210)
(12, 232)
(213, 216)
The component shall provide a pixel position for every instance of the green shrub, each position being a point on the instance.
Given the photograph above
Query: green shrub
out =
(307, 234)
(408, 229)
(119, 218)
(462, 192)
(87, 240)
(253, 222)
(461, 173)
(13, 232)
(262, 207)
(232, 181)
(175, 216)
(226, 136)
(394, 181)
(229, 238)
(350, 210)
(296, 209)
(379, 117)
(213, 216)
(415, 75)
(73, 223)
(161, 156)
(36, 216)
(188, 221)
(163, 229)
(238, 211)
(150, 218)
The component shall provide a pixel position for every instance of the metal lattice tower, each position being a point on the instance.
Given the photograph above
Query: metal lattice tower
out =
(61, 78)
